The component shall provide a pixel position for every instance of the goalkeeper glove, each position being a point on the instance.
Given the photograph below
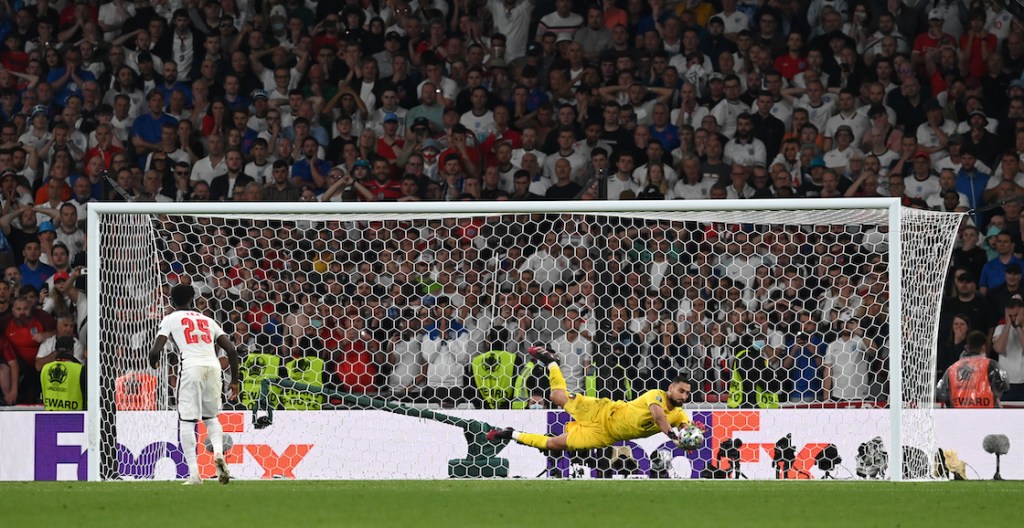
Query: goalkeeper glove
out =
(674, 436)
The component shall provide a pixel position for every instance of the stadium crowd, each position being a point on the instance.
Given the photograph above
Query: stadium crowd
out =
(239, 100)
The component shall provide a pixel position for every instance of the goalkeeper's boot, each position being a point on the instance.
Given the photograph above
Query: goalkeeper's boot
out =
(542, 354)
(497, 435)
(192, 481)
(223, 475)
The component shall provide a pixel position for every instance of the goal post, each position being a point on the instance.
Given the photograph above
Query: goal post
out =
(712, 278)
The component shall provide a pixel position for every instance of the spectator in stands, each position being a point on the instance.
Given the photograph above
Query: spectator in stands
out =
(993, 274)
(210, 70)
(33, 272)
(574, 351)
(953, 346)
(846, 363)
(1008, 345)
(803, 361)
(967, 301)
(444, 349)
(1000, 295)
(48, 349)
(9, 373)
(968, 254)
(26, 329)
(223, 187)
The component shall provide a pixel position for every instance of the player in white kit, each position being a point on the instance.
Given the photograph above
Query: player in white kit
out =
(199, 383)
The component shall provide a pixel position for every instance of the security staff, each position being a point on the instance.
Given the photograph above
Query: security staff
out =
(64, 380)
(754, 381)
(975, 381)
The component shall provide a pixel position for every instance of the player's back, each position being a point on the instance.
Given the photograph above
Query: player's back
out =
(633, 419)
(195, 336)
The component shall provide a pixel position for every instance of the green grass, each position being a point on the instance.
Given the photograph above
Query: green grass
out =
(533, 504)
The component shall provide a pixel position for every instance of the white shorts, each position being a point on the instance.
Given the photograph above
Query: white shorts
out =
(199, 391)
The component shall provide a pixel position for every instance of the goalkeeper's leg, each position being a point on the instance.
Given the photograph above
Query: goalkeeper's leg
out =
(559, 390)
(576, 436)
(559, 396)
(554, 443)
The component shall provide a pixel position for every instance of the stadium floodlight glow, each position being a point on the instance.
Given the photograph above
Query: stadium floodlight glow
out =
(625, 259)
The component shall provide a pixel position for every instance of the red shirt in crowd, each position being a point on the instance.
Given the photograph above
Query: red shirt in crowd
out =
(383, 191)
(355, 368)
(21, 335)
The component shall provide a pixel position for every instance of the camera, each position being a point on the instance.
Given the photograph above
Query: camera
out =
(783, 456)
(730, 449)
(827, 459)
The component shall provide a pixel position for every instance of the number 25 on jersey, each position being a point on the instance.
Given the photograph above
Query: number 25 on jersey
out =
(196, 331)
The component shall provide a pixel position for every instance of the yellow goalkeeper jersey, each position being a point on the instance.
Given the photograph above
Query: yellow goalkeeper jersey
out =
(633, 419)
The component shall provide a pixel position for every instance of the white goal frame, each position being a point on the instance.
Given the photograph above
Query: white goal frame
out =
(895, 213)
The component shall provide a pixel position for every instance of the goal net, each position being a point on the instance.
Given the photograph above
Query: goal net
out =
(382, 341)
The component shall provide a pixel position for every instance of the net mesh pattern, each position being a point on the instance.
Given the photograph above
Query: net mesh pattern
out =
(762, 309)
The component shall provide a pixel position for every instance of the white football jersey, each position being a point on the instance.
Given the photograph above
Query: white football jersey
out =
(195, 335)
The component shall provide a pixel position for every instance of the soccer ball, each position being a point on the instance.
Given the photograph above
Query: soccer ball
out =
(690, 437)
(228, 443)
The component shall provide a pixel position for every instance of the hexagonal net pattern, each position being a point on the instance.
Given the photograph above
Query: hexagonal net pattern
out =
(761, 310)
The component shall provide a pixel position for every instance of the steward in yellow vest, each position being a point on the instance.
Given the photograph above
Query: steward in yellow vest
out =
(754, 382)
(64, 380)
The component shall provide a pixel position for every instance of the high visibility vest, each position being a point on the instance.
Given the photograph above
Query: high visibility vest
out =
(255, 369)
(765, 398)
(520, 395)
(62, 386)
(308, 370)
(494, 374)
(135, 391)
(590, 382)
(969, 387)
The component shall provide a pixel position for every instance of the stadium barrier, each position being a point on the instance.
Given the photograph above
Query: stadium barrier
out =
(51, 446)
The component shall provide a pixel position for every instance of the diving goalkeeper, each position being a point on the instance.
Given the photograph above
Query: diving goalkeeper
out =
(600, 422)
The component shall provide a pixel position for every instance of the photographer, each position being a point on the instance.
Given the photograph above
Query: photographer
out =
(756, 376)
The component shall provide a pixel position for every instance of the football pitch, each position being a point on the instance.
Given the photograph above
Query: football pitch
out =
(526, 503)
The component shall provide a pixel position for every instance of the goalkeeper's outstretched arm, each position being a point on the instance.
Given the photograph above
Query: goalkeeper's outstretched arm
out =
(659, 418)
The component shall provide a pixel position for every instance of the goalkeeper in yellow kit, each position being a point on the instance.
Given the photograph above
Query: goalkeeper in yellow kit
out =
(600, 422)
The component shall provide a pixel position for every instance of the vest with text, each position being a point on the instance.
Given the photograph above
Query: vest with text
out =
(62, 386)
(765, 398)
(494, 374)
(969, 387)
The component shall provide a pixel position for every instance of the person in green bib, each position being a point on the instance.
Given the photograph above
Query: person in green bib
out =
(64, 379)
(756, 377)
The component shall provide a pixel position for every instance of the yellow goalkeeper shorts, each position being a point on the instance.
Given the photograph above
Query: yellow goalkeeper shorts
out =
(588, 429)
